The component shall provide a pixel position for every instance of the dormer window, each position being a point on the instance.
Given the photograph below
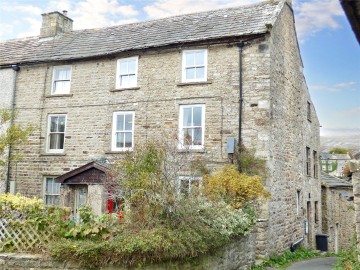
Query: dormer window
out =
(194, 66)
(61, 80)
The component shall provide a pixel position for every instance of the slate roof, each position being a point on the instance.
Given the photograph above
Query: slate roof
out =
(178, 30)
(331, 181)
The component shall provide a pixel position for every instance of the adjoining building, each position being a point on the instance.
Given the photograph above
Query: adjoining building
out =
(337, 212)
(334, 164)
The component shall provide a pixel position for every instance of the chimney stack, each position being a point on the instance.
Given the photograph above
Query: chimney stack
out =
(55, 23)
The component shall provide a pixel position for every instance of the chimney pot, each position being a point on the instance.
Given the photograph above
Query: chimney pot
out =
(65, 12)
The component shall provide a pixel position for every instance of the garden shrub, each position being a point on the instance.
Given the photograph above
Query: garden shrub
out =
(160, 223)
(233, 187)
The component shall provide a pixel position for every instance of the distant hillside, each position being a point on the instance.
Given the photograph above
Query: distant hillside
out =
(347, 141)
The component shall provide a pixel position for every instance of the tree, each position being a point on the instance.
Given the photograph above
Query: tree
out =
(338, 150)
(11, 137)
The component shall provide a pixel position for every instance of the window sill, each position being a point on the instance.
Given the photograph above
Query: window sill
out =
(188, 150)
(119, 151)
(53, 154)
(123, 89)
(59, 95)
(194, 83)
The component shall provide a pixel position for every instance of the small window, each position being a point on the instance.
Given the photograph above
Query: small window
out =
(315, 164)
(330, 167)
(56, 133)
(188, 184)
(194, 66)
(127, 69)
(309, 111)
(52, 191)
(323, 167)
(123, 131)
(298, 207)
(308, 162)
(61, 80)
(191, 126)
(316, 212)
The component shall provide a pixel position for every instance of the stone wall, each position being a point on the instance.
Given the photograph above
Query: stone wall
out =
(6, 96)
(240, 254)
(338, 217)
(355, 169)
(294, 193)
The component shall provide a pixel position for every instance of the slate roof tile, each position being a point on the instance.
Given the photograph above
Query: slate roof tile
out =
(332, 181)
(216, 24)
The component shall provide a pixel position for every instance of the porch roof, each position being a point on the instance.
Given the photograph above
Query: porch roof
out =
(91, 173)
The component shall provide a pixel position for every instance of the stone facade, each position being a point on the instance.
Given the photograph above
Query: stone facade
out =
(288, 132)
(7, 80)
(276, 119)
(338, 216)
(355, 169)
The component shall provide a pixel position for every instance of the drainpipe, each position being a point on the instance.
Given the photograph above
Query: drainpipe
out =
(16, 68)
(240, 45)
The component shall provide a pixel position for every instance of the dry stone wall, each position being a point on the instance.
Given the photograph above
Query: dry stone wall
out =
(239, 255)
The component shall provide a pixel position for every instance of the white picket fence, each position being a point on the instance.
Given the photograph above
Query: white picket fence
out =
(23, 236)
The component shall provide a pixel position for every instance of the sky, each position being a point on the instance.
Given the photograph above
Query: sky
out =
(329, 49)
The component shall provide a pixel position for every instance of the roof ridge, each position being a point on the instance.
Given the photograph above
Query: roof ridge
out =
(191, 13)
(216, 24)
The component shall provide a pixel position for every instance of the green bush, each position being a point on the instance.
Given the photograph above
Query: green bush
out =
(348, 259)
(185, 235)
(160, 224)
(285, 259)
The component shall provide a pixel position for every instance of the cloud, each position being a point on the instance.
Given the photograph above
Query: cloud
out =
(352, 112)
(26, 9)
(100, 13)
(6, 29)
(345, 84)
(339, 87)
(32, 29)
(26, 20)
(166, 8)
(316, 15)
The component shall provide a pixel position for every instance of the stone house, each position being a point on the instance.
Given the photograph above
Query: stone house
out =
(338, 212)
(355, 170)
(334, 164)
(211, 78)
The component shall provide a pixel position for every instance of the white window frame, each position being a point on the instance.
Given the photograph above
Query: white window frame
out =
(181, 127)
(118, 73)
(185, 66)
(114, 131)
(189, 179)
(45, 194)
(48, 150)
(54, 91)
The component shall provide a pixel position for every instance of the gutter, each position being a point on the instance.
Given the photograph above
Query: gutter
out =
(15, 68)
(113, 54)
(240, 46)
